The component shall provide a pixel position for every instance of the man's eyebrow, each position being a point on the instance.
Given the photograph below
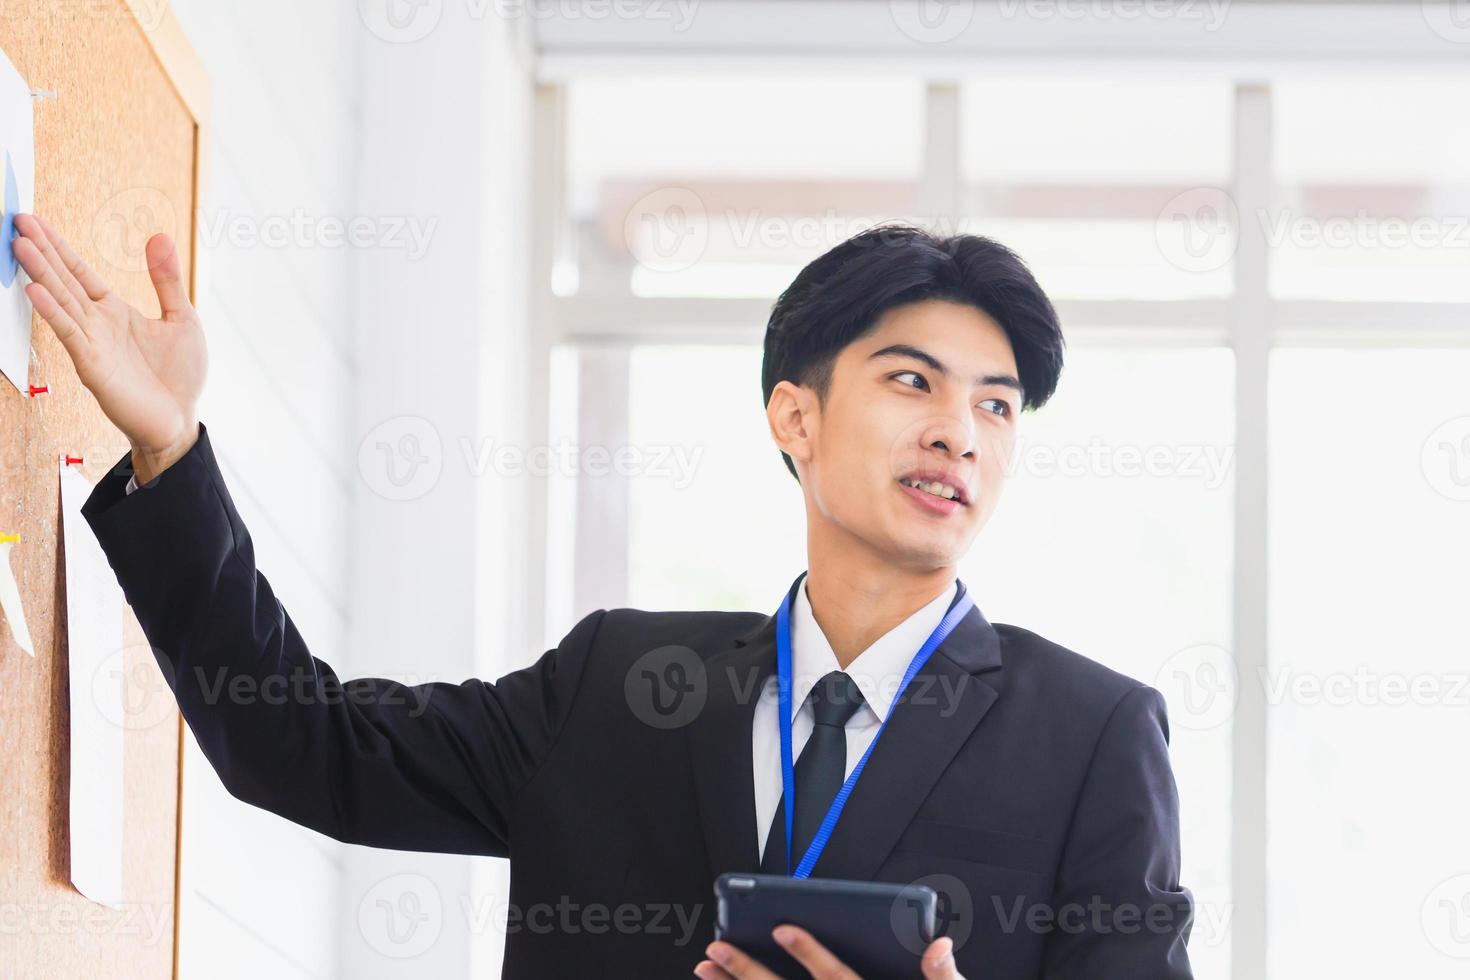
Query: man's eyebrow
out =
(919, 354)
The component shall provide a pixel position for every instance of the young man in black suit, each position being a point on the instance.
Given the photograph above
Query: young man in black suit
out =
(642, 757)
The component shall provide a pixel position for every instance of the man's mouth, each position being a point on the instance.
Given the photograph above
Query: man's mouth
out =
(937, 485)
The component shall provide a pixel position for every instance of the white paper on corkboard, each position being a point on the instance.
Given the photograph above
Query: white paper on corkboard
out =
(17, 195)
(15, 614)
(94, 636)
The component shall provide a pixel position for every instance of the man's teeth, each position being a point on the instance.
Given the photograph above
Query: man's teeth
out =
(938, 489)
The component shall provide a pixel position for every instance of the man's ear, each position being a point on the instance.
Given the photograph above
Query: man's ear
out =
(794, 420)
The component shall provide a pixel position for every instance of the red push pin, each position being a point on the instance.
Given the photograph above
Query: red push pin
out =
(73, 459)
(36, 390)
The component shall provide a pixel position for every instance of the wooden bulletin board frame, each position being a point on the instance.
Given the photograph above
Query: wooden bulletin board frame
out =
(131, 115)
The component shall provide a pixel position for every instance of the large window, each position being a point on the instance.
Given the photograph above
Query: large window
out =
(734, 489)
(1373, 201)
(1074, 173)
(726, 186)
(1251, 491)
(1369, 679)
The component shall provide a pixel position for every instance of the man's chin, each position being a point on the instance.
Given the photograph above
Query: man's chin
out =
(927, 552)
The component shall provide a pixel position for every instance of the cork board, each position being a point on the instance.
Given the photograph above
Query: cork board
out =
(118, 157)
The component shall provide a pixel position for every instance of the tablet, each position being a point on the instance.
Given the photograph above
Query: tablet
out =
(878, 929)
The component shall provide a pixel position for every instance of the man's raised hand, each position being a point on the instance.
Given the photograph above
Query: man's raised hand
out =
(146, 374)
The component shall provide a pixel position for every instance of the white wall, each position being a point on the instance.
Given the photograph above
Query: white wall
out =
(441, 347)
(259, 896)
(328, 112)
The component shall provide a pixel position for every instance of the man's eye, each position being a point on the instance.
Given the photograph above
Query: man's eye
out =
(1005, 407)
(913, 374)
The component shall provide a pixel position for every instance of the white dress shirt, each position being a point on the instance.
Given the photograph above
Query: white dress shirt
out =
(878, 671)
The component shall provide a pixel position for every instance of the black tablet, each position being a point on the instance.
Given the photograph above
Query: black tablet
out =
(879, 930)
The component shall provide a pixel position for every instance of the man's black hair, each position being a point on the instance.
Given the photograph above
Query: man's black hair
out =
(840, 296)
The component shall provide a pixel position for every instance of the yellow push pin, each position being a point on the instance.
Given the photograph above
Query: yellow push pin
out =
(10, 597)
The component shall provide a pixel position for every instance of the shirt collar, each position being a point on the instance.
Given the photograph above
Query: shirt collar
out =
(878, 670)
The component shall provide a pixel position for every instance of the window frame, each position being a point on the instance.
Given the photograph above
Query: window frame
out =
(1250, 322)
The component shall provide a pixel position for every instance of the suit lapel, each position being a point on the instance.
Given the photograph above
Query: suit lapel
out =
(941, 707)
(720, 747)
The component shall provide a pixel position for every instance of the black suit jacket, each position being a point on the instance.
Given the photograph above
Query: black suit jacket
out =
(1029, 785)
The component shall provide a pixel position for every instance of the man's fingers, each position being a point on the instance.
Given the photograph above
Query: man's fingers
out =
(94, 284)
(32, 229)
(50, 312)
(70, 335)
(65, 312)
(938, 963)
(736, 963)
(710, 970)
(817, 959)
(164, 269)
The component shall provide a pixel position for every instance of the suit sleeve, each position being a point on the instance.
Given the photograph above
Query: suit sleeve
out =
(1120, 912)
(428, 767)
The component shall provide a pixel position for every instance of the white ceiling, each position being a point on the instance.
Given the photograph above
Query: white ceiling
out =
(944, 38)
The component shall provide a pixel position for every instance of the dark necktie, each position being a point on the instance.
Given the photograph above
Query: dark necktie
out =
(819, 771)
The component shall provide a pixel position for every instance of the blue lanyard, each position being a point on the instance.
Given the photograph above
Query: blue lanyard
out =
(951, 619)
